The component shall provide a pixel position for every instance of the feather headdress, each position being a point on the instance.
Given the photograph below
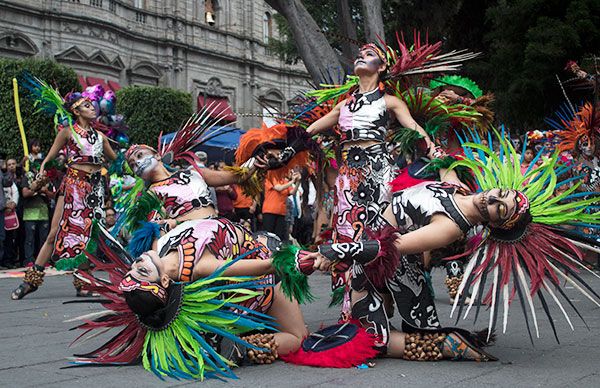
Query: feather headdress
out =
(531, 259)
(458, 81)
(583, 125)
(177, 347)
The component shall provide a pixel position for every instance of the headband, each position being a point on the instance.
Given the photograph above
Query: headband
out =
(522, 204)
(135, 147)
(129, 284)
(380, 53)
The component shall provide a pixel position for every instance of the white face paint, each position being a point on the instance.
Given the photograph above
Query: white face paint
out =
(144, 166)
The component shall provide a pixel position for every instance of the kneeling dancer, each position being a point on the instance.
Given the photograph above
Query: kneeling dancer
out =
(169, 322)
(517, 243)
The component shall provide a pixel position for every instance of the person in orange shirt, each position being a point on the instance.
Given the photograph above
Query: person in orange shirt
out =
(274, 206)
(244, 207)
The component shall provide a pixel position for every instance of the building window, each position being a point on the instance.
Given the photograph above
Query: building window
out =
(96, 3)
(140, 17)
(267, 27)
(210, 12)
(272, 106)
(112, 6)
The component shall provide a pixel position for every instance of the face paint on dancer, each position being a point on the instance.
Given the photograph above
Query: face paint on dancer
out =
(147, 267)
(586, 147)
(85, 110)
(499, 206)
(142, 162)
(367, 60)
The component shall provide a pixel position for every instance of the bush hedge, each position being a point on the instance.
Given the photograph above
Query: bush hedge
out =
(148, 110)
(38, 125)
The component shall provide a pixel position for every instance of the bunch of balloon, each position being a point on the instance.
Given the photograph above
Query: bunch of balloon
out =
(111, 124)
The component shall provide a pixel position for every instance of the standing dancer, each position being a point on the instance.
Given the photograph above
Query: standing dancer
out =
(362, 189)
(80, 198)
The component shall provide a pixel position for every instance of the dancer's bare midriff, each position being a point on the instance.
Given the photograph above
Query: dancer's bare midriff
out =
(89, 168)
(359, 143)
(198, 213)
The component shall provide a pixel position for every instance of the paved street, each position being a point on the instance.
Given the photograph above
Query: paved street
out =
(35, 343)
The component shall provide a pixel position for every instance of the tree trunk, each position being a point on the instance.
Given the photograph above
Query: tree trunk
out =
(320, 59)
(374, 31)
(347, 29)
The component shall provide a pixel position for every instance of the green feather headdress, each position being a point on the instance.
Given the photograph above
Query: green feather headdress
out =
(531, 259)
(458, 81)
(177, 346)
(503, 171)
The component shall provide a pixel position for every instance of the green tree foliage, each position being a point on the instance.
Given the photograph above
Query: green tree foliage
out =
(37, 125)
(525, 44)
(529, 43)
(150, 110)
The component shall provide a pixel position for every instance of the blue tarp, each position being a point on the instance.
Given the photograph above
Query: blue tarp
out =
(226, 140)
(221, 147)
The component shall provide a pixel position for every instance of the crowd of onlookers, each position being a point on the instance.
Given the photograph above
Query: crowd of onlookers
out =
(286, 208)
(27, 207)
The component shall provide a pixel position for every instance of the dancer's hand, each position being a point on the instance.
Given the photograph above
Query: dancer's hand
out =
(436, 152)
(42, 173)
(321, 263)
(448, 96)
(261, 162)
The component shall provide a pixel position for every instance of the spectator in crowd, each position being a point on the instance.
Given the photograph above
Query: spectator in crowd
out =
(225, 197)
(304, 202)
(11, 186)
(244, 207)
(2, 231)
(110, 218)
(324, 213)
(291, 214)
(274, 207)
(37, 194)
(35, 154)
(527, 158)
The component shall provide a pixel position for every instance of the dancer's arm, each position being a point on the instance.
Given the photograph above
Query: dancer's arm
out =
(108, 151)
(439, 233)
(404, 117)
(208, 264)
(59, 142)
(327, 121)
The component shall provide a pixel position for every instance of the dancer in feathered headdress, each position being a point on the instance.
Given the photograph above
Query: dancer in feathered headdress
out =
(80, 198)
(522, 250)
(361, 121)
(176, 327)
(183, 307)
(175, 195)
(578, 133)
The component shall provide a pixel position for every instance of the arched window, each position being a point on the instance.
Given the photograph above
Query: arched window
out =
(272, 106)
(267, 27)
(210, 12)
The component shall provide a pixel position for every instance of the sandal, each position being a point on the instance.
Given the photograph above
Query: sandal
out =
(86, 294)
(456, 347)
(22, 290)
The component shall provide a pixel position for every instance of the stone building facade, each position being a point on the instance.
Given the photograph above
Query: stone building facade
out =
(214, 49)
